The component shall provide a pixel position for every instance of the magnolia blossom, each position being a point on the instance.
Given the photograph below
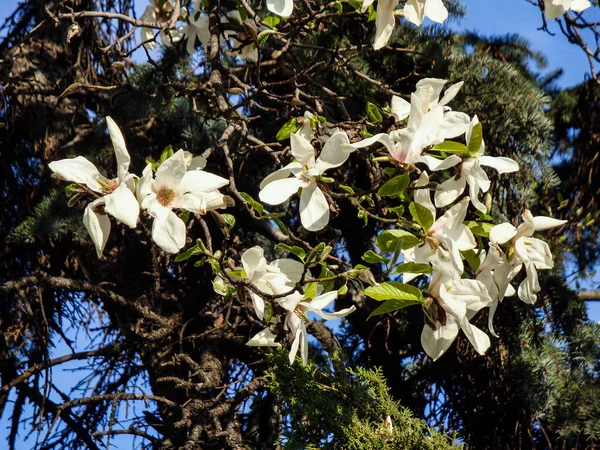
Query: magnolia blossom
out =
(276, 278)
(415, 11)
(264, 338)
(277, 187)
(430, 122)
(384, 22)
(448, 233)
(197, 28)
(556, 8)
(174, 186)
(529, 251)
(452, 303)
(160, 13)
(496, 272)
(471, 173)
(117, 197)
(283, 8)
(298, 307)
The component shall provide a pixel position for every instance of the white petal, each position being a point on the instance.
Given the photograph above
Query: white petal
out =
(200, 181)
(452, 91)
(123, 158)
(292, 269)
(254, 263)
(264, 338)
(502, 233)
(337, 314)
(491, 313)
(477, 337)
(500, 163)
(529, 286)
(171, 172)
(384, 22)
(335, 152)
(97, 225)
(436, 11)
(436, 342)
(423, 196)
(283, 8)
(280, 174)
(302, 150)
(322, 301)
(449, 191)
(400, 107)
(279, 191)
(259, 305)
(123, 206)
(580, 5)
(454, 124)
(290, 302)
(414, 12)
(314, 209)
(78, 170)
(539, 253)
(144, 185)
(545, 223)
(553, 11)
(169, 232)
(441, 164)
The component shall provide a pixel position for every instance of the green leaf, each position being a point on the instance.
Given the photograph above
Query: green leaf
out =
(472, 259)
(476, 138)
(310, 290)
(298, 251)
(479, 228)
(392, 305)
(373, 258)
(392, 240)
(373, 113)
(394, 291)
(291, 126)
(348, 189)
(326, 273)
(262, 38)
(395, 186)
(166, 154)
(343, 290)
(185, 216)
(272, 21)
(398, 210)
(257, 206)
(451, 147)
(284, 229)
(318, 254)
(372, 14)
(229, 220)
(185, 255)
(412, 267)
(421, 215)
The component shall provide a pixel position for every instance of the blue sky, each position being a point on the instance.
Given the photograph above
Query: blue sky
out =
(488, 17)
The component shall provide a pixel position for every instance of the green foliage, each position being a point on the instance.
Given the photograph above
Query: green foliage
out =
(345, 410)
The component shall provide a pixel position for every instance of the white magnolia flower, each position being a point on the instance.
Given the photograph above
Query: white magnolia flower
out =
(452, 303)
(276, 278)
(430, 122)
(415, 11)
(447, 233)
(264, 338)
(283, 8)
(556, 8)
(471, 173)
(172, 187)
(197, 28)
(277, 187)
(533, 253)
(248, 52)
(495, 272)
(155, 12)
(384, 22)
(298, 307)
(117, 198)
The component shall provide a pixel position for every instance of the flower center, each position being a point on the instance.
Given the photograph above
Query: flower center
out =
(300, 313)
(109, 186)
(165, 196)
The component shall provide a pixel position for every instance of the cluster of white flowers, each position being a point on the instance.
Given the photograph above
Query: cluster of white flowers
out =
(280, 279)
(179, 183)
(556, 8)
(452, 300)
(442, 241)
